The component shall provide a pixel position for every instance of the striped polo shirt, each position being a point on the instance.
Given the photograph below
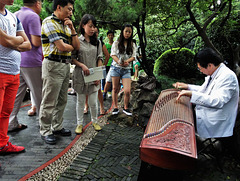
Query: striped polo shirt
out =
(53, 29)
(10, 59)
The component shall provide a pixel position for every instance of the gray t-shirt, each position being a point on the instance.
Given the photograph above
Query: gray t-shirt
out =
(88, 54)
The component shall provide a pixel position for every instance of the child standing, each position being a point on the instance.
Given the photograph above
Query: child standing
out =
(88, 56)
(123, 52)
(107, 84)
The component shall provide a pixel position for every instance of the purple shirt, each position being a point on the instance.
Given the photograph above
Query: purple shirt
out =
(32, 26)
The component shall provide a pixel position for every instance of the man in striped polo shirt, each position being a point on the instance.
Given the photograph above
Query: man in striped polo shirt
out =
(59, 39)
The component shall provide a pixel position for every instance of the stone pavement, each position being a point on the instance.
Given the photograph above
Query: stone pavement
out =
(116, 148)
(112, 155)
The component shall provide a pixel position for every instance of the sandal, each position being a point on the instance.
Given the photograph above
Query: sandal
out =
(32, 111)
(102, 112)
(85, 110)
(19, 128)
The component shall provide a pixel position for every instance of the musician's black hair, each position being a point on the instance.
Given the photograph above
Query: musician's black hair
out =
(206, 56)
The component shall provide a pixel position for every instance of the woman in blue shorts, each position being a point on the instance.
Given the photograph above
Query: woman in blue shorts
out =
(123, 52)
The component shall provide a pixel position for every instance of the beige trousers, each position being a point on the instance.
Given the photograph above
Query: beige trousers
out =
(55, 77)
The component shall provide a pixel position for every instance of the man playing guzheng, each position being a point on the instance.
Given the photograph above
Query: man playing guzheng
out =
(216, 99)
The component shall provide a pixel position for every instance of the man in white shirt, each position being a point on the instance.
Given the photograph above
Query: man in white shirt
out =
(216, 99)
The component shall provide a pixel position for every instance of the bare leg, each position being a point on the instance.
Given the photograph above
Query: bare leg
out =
(107, 86)
(127, 90)
(115, 84)
(86, 105)
(100, 98)
(136, 71)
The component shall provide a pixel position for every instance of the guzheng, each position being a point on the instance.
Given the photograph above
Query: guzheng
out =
(169, 139)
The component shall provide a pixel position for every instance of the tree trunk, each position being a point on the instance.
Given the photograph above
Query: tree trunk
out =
(146, 65)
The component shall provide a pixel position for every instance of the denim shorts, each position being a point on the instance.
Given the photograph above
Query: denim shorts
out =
(120, 72)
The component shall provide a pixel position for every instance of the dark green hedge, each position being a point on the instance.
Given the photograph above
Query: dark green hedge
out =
(176, 63)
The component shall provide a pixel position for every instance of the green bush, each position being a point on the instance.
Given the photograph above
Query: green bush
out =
(176, 63)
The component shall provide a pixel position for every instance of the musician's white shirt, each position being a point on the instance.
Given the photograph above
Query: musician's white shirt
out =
(216, 105)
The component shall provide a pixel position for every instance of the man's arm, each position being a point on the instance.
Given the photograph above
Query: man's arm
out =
(36, 40)
(10, 41)
(26, 45)
(75, 41)
(63, 47)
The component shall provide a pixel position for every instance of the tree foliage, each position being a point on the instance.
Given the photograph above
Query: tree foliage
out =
(161, 25)
(194, 19)
(176, 63)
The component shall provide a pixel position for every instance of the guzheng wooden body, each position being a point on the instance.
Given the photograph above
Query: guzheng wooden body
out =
(169, 139)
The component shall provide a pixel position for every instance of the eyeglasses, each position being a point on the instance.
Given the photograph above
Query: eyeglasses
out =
(200, 68)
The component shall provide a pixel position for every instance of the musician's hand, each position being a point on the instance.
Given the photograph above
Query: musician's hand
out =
(184, 93)
(180, 85)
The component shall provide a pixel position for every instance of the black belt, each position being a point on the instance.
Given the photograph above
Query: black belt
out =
(59, 60)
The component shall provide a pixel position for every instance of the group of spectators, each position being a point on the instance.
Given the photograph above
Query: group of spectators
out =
(37, 55)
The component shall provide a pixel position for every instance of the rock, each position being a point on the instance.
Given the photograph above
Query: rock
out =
(146, 110)
(140, 96)
(141, 103)
(121, 118)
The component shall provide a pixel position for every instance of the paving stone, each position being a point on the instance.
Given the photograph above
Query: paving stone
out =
(77, 168)
(105, 172)
(134, 178)
(62, 178)
(80, 164)
(93, 173)
(123, 170)
(84, 157)
(84, 161)
(89, 176)
(116, 171)
(133, 160)
(71, 176)
(124, 160)
(129, 179)
(77, 164)
(117, 162)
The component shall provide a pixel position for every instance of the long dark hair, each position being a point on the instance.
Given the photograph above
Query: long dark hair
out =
(121, 40)
(85, 19)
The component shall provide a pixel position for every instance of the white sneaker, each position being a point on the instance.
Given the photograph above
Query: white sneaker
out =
(109, 94)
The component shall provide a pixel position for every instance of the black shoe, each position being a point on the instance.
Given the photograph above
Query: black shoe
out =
(63, 132)
(49, 139)
(115, 111)
(127, 112)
